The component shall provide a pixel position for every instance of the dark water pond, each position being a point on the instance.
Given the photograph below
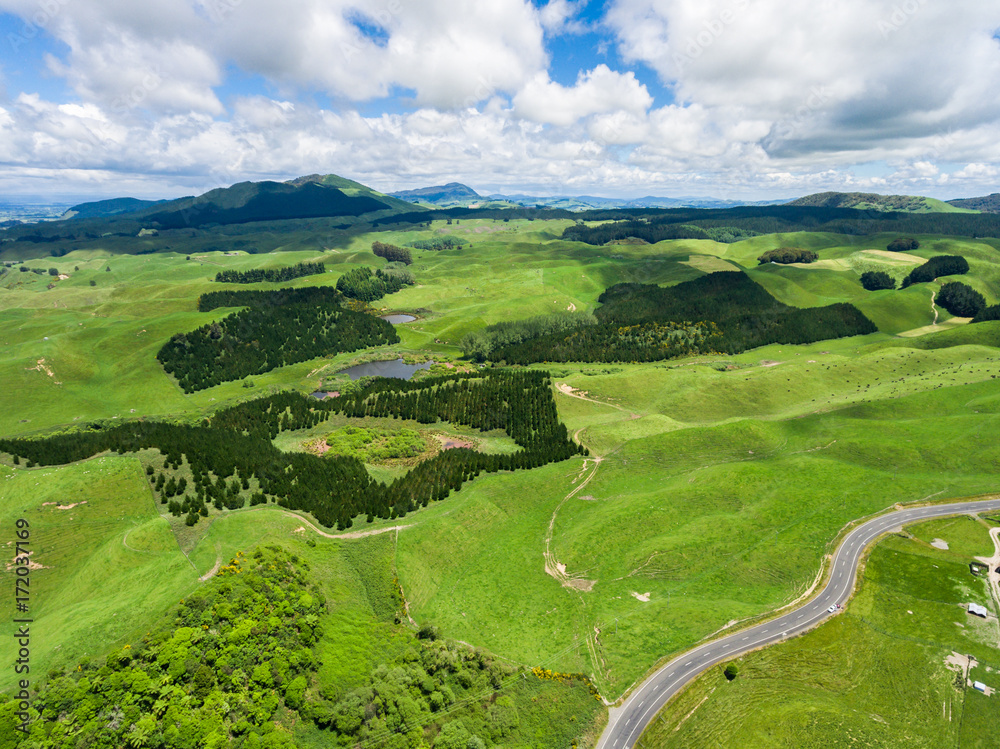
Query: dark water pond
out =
(398, 369)
(398, 319)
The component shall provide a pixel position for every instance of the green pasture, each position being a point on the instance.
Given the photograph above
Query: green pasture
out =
(109, 565)
(722, 479)
(875, 675)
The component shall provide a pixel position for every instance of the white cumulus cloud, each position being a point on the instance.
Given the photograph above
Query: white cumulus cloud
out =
(599, 90)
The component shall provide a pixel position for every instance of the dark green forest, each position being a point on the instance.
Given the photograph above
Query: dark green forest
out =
(722, 312)
(235, 445)
(654, 225)
(315, 295)
(277, 328)
(272, 275)
(480, 344)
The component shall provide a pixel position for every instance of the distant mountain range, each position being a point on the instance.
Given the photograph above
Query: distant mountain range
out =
(457, 195)
(316, 196)
(452, 195)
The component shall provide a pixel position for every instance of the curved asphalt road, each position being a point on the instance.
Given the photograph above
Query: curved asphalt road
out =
(631, 719)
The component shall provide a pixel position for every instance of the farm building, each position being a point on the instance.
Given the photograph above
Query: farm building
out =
(979, 686)
(975, 608)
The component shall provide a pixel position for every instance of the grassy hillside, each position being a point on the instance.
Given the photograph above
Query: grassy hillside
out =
(890, 671)
(722, 478)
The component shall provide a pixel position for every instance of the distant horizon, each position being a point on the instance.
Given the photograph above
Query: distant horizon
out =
(71, 199)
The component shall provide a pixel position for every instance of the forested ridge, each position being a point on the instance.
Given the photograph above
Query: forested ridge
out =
(237, 665)
(235, 444)
(277, 328)
(656, 225)
(272, 275)
(723, 312)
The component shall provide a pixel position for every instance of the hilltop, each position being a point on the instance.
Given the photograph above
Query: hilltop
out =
(112, 207)
(869, 201)
(449, 195)
(312, 196)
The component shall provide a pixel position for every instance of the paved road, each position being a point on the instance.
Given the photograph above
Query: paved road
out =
(629, 721)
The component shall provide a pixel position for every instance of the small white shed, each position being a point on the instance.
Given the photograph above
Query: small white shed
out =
(975, 608)
(979, 686)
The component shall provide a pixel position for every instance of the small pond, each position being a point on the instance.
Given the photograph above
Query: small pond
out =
(398, 369)
(398, 319)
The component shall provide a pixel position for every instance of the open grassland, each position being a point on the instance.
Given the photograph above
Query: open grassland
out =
(78, 352)
(706, 523)
(722, 480)
(109, 564)
(890, 671)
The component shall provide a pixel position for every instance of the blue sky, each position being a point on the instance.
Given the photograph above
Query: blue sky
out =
(744, 99)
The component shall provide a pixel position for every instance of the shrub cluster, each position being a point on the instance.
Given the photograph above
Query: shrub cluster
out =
(392, 253)
(788, 255)
(441, 243)
(942, 265)
(961, 300)
(903, 244)
(987, 314)
(366, 286)
(876, 280)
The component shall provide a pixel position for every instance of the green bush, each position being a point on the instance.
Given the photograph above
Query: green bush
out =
(876, 280)
(936, 267)
(903, 244)
(961, 300)
(787, 255)
(987, 314)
